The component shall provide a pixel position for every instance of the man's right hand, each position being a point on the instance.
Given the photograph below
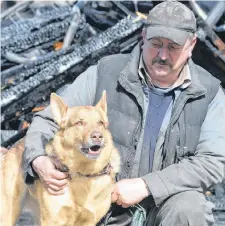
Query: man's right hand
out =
(53, 180)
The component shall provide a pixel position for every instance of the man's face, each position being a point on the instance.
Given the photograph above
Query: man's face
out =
(164, 57)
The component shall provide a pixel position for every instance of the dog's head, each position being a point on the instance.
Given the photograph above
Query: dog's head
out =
(83, 128)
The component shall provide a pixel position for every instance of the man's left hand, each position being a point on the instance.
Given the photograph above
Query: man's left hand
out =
(128, 192)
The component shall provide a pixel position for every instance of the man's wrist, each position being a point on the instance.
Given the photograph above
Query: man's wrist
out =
(146, 187)
(31, 172)
(36, 160)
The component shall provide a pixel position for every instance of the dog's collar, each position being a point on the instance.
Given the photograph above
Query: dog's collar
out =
(63, 168)
(106, 171)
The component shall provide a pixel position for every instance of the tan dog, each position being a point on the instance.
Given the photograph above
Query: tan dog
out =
(84, 146)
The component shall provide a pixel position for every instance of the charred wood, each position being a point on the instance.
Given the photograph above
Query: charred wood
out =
(142, 6)
(12, 72)
(8, 143)
(123, 8)
(102, 19)
(7, 134)
(74, 24)
(13, 57)
(49, 32)
(14, 8)
(41, 94)
(121, 30)
(42, 17)
(129, 44)
(10, 76)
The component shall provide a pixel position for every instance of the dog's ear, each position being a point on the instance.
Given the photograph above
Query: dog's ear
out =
(102, 103)
(59, 109)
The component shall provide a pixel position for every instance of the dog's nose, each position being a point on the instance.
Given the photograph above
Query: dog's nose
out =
(96, 136)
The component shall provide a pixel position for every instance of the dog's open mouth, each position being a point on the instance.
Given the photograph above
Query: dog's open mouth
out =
(92, 152)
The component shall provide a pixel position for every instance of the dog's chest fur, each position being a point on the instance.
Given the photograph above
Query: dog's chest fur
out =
(91, 191)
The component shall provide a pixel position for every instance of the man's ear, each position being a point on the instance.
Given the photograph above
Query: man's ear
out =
(59, 109)
(193, 43)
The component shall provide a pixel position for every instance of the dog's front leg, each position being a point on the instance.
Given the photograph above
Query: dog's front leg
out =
(56, 210)
(85, 217)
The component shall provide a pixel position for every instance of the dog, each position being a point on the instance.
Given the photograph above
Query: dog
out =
(83, 145)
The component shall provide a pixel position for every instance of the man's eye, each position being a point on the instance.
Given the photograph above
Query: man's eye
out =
(156, 45)
(174, 47)
(79, 123)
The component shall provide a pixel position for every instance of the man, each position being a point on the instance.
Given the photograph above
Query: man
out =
(167, 118)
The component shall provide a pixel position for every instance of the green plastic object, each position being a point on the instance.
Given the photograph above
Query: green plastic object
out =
(139, 216)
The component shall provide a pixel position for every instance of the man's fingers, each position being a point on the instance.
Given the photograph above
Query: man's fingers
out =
(125, 205)
(114, 197)
(59, 175)
(52, 192)
(118, 202)
(59, 183)
(55, 188)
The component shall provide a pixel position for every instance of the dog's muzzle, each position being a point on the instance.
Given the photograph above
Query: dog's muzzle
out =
(92, 149)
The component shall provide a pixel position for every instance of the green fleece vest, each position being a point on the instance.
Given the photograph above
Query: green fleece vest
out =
(119, 77)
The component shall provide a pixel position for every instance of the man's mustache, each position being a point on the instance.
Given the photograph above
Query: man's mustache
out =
(162, 62)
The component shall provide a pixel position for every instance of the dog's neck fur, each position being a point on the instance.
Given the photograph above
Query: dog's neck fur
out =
(106, 171)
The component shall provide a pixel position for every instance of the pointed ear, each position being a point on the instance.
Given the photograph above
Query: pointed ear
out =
(59, 109)
(102, 104)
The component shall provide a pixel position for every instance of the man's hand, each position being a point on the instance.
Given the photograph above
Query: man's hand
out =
(128, 192)
(53, 180)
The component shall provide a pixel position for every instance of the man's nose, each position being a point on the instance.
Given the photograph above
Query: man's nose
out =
(163, 53)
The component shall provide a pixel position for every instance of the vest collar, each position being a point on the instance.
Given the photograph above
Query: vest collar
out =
(196, 89)
(130, 71)
(129, 78)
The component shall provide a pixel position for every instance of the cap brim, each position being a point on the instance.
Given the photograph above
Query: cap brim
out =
(175, 35)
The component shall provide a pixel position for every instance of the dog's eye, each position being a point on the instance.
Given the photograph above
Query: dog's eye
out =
(79, 123)
(101, 123)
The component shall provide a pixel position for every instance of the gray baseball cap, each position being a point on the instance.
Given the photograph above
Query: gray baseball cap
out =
(172, 20)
